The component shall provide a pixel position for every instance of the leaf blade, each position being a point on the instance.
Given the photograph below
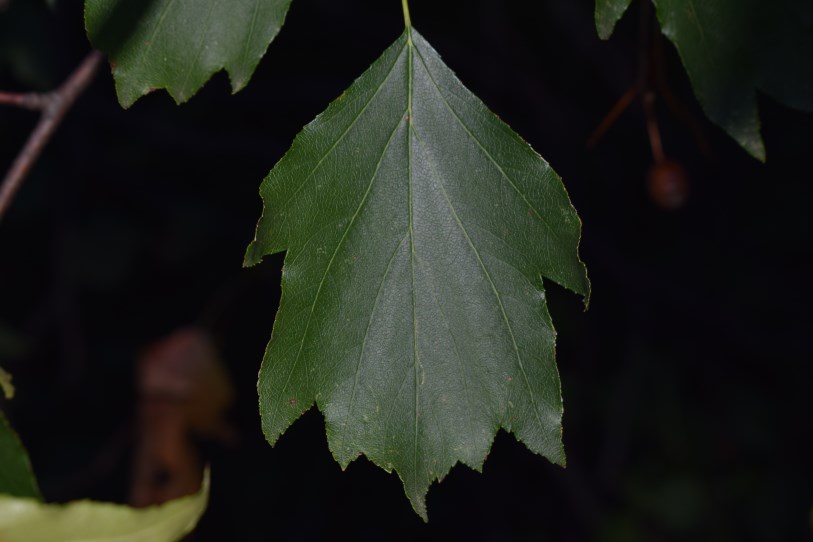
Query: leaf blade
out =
(178, 46)
(411, 302)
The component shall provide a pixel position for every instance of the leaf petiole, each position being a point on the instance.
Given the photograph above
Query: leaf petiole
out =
(407, 20)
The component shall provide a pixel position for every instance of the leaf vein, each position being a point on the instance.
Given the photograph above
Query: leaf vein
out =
(200, 46)
(485, 151)
(366, 335)
(250, 34)
(460, 364)
(416, 357)
(341, 137)
(487, 275)
(158, 25)
(329, 266)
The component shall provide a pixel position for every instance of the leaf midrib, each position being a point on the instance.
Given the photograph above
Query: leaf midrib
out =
(487, 275)
(474, 249)
(199, 48)
(412, 255)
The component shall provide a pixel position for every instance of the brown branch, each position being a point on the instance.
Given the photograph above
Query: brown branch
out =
(620, 106)
(652, 129)
(30, 100)
(53, 106)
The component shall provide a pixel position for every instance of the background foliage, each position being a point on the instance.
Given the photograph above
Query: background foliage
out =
(30, 520)
(685, 385)
(16, 477)
(733, 49)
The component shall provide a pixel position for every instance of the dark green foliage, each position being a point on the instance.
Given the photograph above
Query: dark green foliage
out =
(733, 48)
(16, 477)
(418, 228)
(156, 44)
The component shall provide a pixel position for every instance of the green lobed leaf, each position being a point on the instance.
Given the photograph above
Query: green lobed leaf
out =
(16, 476)
(178, 46)
(418, 228)
(28, 520)
(732, 48)
(607, 14)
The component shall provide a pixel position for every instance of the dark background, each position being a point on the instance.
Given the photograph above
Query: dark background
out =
(686, 384)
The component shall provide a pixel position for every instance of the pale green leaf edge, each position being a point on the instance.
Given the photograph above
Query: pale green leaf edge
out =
(28, 520)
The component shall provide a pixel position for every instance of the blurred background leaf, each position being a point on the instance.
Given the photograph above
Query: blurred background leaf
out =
(28, 520)
(732, 49)
(607, 14)
(177, 46)
(16, 476)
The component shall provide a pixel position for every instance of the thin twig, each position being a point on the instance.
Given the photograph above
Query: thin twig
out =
(29, 100)
(677, 106)
(652, 129)
(620, 106)
(53, 106)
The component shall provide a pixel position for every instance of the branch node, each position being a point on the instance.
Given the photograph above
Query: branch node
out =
(52, 106)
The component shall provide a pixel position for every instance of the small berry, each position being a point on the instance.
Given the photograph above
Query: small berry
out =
(668, 185)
